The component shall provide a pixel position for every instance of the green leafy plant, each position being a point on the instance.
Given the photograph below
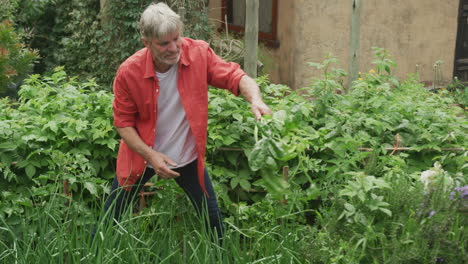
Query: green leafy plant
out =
(8, 9)
(59, 130)
(325, 158)
(92, 40)
(15, 59)
(361, 194)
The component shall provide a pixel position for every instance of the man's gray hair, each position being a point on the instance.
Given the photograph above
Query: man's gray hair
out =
(158, 20)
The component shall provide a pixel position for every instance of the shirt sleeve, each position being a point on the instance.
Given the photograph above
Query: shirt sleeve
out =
(125, 109)
(222, 74)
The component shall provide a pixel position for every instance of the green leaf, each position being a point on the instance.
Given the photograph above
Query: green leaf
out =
(232, 157)
(348, 192)
(228, 140)
(91, 188)
(25, 202)
(271, 163)
(238, 117)
(30, 170)
(8, 146)
(258, 156)
(52, 125)
(381, 183)
(276, 149)
(244, 174)
(313, 192)
(234, 182)
(316, 65)
(386, 211)
(274, 183)
(367, 183)
(361, 195)
(280, 115)
(350, 208)
(245, 184)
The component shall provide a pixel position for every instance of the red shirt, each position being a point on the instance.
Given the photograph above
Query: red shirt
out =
(136, 91)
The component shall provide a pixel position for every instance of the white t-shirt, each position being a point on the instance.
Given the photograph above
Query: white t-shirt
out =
(173, 135)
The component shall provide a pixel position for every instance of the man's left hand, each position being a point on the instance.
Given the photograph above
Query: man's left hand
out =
(251, 92)
(259, 109)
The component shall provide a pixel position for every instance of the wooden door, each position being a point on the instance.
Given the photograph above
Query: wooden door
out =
(461, 52)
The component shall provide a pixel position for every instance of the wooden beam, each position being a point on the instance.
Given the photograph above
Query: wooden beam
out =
(360, 149)
(251, 37)
(409, 149)
(354, 44)
(104, 11)
(181, 12)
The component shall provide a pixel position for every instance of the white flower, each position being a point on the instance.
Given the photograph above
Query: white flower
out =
(427, 177)
(430, 177)
(437, 165)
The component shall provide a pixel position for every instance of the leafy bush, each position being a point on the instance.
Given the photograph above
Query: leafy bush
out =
(327, 139)
(93, 42)
(8, 9)
(344, 164)
(100, 42)
(346, 175)
(15, 60)
(424, 227)
(59, 129)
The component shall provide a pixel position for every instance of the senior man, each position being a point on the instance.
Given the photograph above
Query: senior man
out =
(161, 112)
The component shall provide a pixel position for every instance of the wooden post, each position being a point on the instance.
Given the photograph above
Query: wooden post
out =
(181, 12)
(354, 42)
(104, 11)
(251, 37)
(66, 188)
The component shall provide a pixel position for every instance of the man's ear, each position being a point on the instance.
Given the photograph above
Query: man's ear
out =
(145, 42)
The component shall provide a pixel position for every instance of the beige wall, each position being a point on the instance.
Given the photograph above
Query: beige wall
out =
(414, 32)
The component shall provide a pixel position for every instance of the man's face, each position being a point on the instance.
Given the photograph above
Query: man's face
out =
(165, 51)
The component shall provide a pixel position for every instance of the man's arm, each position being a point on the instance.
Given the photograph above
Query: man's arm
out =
(158, 160)
(249, 89)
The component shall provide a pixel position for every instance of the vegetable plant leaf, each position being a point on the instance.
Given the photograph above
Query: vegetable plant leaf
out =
(30, 170)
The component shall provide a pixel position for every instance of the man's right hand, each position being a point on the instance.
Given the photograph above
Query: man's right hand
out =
(159, 161)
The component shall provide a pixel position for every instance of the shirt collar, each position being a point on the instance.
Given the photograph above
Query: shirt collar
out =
(184, 54)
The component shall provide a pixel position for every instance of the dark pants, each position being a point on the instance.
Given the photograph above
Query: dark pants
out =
(188, 181)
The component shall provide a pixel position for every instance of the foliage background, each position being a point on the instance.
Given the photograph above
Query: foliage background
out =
(90, 40)
(338, 205)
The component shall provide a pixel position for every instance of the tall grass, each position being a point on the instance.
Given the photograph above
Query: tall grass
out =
(60, 231)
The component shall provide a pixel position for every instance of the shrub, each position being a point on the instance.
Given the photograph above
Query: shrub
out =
(60, 129)
(15, 60)
(93, 42)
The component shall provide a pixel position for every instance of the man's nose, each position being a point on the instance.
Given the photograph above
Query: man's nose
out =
(173, 46)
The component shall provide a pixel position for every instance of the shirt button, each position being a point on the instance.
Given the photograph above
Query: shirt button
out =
(157, 90)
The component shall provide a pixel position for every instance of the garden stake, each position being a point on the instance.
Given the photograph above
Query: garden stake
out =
(286, 177)
(66, 189)
(142, 194)
(397, 143)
